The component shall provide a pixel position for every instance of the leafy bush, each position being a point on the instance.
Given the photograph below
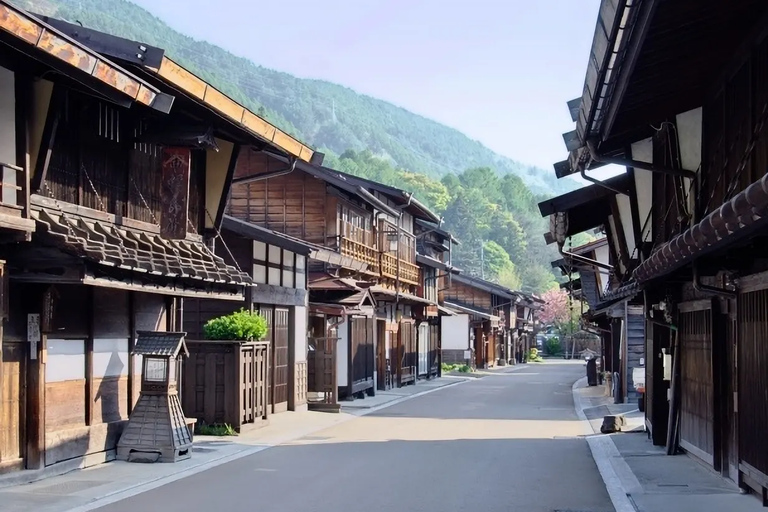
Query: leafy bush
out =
(461, 368)
(533, 356)
(552, 346)
(240, 325)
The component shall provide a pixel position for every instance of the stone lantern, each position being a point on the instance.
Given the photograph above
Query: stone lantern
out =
(157, 429)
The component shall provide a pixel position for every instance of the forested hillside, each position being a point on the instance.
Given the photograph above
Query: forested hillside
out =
(487, 200)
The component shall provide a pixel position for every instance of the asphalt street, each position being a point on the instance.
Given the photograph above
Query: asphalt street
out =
(505, 442)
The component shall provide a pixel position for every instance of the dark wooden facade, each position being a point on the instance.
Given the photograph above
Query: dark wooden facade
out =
(698, 219)
(366, 240)
(114, 185)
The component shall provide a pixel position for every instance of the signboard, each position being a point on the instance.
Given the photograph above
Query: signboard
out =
(431, 310)
(174, 193)
(33, 333)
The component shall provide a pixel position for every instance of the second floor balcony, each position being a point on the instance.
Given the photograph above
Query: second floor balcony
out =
(14, 199)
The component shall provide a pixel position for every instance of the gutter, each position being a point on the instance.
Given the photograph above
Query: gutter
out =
(267, 175)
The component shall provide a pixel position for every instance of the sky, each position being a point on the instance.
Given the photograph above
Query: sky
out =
(501, 71)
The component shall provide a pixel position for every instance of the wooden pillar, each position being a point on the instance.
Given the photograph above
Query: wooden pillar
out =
(35, 456)
(131, 342)
(89, 391)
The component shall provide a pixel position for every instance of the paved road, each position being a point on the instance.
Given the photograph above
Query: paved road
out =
(507, 442)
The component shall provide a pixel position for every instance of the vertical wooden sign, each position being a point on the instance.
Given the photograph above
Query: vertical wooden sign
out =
(174, 190)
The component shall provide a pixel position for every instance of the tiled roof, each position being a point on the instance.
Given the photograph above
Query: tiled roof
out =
(138, 251)
(156, 343)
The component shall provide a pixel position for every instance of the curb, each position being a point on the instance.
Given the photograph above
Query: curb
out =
(143, 487)
(606, 457)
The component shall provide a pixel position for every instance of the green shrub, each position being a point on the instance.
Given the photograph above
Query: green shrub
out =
(240, 325)
(533, 356)
(552, 346)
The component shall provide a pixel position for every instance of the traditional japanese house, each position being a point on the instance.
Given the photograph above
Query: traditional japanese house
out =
(684, 112)
(433, 254)
(277, 264)
(118, 161)
(588, 271)
(602, 265)
(479, 333)
(523, 325)
(369, 228)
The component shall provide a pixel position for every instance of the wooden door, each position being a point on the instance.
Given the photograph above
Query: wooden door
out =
(269, 314)
(361, 354)
(697, 408)
(12, 405)
(752, 382)
(281, 372)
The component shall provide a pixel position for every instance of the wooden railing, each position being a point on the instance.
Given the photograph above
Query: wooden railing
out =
(409, 273)
(360, 252)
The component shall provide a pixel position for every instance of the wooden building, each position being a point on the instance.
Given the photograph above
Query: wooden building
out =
(116, 168)
(433, 254)
(523, 326)
(480, 331)
(278, 264)
(369, 229)
(684, 112)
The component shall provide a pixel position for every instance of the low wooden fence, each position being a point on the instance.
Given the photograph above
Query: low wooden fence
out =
(322, 379)
(226, 382)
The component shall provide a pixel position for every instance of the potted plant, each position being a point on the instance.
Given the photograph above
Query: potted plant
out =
(241, 325)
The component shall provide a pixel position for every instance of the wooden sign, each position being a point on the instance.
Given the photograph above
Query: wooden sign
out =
(431, 311)
(33, 333)
(174, 193)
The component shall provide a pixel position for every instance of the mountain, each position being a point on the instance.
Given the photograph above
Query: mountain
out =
(325, 115)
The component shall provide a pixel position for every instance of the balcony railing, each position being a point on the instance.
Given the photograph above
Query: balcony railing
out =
(10, 187)
(360, 252)
(409, 273)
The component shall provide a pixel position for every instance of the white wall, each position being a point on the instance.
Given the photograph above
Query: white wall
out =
(625, 214)
(642, 151)
(603, 255)
(455, 332)
(7, 117)
(689, 134)
(342, 354)
(300, 334)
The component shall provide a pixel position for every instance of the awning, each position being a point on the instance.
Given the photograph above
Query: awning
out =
(434, 263)
(137, 251)
(389, 295)
(445, 311)
(472, 311)
(340, 309)
(742, 216)
(622, 293)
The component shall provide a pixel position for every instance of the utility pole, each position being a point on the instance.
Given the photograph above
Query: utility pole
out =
(482, 260)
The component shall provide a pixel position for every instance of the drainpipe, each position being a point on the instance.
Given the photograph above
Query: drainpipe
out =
(703, 288)
(627, 162)
(267, 175)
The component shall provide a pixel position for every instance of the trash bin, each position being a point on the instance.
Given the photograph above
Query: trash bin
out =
(592, 371)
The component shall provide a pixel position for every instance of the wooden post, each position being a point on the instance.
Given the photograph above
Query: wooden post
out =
(131, 343)
(292, 389)
(23, 92)
(36, 389)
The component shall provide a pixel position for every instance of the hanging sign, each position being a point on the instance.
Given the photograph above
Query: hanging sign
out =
(174, 193)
